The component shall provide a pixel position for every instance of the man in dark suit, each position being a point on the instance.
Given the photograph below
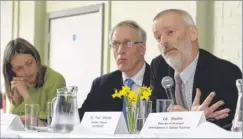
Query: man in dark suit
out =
(199, 71)
(128, 42)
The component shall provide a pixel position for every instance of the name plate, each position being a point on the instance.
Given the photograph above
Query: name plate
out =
(105, 122)
(167, 122)
(11, 121)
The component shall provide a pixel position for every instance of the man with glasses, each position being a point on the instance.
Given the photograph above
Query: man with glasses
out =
(128, 43)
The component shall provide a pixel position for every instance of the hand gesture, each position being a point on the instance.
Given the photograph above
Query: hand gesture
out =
(17, 98)
(21, 86)
(209, 111)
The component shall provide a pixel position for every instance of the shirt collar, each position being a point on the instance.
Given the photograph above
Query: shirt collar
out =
(189, 70)
(137, 78)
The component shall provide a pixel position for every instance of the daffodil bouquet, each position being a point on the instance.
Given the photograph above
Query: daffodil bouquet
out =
(132, 100)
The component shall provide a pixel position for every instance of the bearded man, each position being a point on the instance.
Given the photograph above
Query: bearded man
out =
(203, 82)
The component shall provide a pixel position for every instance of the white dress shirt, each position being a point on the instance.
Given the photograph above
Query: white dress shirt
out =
(137, 78)
(187, 77)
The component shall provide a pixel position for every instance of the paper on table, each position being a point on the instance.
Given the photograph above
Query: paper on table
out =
(11, 121)
(104, 122)
(210, 130)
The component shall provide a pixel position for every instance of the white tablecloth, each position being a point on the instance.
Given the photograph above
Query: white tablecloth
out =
(205, 130)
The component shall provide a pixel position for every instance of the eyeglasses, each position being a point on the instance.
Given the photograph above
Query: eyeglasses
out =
(127, 44)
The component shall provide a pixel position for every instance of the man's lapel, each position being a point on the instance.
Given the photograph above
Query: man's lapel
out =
(146, 76)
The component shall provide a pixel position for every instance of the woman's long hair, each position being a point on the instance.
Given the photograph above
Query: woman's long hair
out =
(20, 46)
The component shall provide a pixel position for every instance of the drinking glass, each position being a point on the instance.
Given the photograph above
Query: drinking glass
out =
(31, 116)
(49, 114)
(145, 108)
(163, 104)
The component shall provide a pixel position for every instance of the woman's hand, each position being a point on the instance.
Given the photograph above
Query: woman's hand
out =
(17, 98)
(21, 86)
(40, 123)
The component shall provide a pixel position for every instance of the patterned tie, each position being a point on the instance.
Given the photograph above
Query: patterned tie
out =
(179, 92)
(129, 83)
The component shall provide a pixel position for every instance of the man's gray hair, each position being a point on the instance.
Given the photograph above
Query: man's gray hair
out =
(130, 23)
(187, 17)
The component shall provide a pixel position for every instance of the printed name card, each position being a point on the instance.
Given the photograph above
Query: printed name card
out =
(11, 121)
(176, 122)
(105, 122)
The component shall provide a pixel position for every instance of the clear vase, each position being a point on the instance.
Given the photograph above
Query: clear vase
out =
(132, 116)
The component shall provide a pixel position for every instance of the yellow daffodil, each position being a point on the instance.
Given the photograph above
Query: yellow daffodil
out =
(126, 88)
(132, 99)
(146, 93)
(122, 92)
(144, 98)
(132, 96)
(143, 93)
(116, 94)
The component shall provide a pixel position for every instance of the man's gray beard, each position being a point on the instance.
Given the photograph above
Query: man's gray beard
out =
(175, 62)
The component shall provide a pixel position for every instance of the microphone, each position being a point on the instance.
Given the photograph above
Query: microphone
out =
(167, 82)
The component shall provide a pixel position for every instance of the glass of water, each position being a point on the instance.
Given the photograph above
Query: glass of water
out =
(163, 104)
(145, 108)
(31, 117)
(49, 116)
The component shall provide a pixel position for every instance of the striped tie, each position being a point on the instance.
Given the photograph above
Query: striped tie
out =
(179, 92)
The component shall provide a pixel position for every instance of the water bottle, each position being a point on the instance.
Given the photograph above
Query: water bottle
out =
(237, 122)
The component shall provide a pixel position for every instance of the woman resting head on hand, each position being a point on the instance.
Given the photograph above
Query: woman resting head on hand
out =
(26, 80)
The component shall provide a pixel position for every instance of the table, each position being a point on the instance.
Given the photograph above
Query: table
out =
(205, 130)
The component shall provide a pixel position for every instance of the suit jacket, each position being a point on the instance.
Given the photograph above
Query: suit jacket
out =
(100, 95)
(212, 74)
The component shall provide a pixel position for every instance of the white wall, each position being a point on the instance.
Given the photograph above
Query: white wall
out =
(6, 31)
(226, 27)
(26, 20)
(228, 31)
